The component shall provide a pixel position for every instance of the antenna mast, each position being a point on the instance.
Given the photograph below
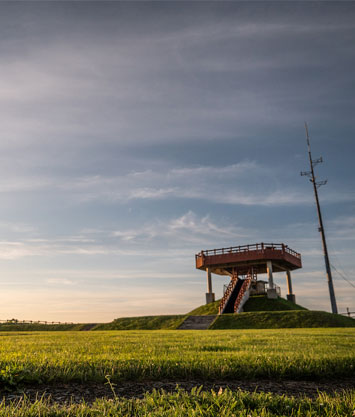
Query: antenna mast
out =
(316, 185)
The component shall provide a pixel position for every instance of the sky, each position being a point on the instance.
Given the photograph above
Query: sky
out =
(136, 134)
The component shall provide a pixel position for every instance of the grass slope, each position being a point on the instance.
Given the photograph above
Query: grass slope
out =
(262, 303)
(206, 309)
(143, 323)
(41, 327)
(195, 403)
(255, 303)
(281, 319)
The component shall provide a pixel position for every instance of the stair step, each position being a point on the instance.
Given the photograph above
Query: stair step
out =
(197, 323)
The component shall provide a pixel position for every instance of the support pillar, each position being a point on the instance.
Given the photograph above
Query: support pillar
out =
(290, 295)
(210, 297)
(269, 274)
(271, 291)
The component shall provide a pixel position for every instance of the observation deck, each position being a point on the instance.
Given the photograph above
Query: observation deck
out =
(241, 258)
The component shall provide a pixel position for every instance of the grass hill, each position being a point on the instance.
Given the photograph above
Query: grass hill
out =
(262, 303)
(40, 327)
(143, 323)
(206, 309)
(259, 313)
(255, 303)
(263, 313)
(300, 318)
(281, 319)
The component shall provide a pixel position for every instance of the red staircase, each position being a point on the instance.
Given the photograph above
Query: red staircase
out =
(228, 292)
(245, 287)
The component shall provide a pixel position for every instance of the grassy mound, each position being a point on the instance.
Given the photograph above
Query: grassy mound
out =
(262, 303)
(206, 309)
(143, 323)
(281, 319)
(255, 303)
(38, 327)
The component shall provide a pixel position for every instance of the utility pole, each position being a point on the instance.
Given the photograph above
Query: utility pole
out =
(316, 185)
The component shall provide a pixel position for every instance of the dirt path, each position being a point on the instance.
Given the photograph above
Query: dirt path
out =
(66, 393)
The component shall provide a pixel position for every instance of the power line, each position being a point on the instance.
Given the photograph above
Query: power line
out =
(342, 276)
(341, 273)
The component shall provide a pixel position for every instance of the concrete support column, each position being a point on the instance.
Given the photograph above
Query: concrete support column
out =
(290, 295)
(210, 297)
(269, 274)
(271, 291)
(289, 283)
(209, 280)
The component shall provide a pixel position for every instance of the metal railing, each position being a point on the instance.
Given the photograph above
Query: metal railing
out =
(243, 290)
(227, 292)
(350, 314)
(248, 248)
(15, 321)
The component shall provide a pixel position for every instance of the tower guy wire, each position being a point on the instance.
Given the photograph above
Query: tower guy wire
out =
(316, 185)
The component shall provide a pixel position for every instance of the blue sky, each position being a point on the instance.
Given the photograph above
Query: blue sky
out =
(135, 134)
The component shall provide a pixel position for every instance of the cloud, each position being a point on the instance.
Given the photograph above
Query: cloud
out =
(178, 236)
(342, 228)
(59, 281)
(200, 78)
(188, 229)
(246, 183)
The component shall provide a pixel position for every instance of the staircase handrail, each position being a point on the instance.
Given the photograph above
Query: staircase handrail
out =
(244, 288)
(227, 293)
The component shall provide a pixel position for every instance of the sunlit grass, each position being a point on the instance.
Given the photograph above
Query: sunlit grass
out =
(194, 403)
(176, 355)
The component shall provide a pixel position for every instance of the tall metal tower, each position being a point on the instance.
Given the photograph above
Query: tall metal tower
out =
(316, 185)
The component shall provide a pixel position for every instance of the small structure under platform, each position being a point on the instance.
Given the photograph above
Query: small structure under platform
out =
(243, 264)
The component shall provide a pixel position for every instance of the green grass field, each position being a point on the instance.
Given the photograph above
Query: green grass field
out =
(195, 403)
(175, 355)
(50, 357)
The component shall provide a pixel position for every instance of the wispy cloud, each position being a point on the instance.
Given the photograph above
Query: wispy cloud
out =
(246, 183)
(179, 236)
(187, 229)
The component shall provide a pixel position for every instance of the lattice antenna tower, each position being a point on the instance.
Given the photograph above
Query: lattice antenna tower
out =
(316, 185)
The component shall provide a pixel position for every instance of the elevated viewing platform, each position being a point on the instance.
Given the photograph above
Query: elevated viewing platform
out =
(222, 261)
(243, 264)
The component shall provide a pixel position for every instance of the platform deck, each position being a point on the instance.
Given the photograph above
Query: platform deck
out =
(242, 258)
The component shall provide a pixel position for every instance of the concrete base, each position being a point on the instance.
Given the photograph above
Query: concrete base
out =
(292, 298)
(271, 293)
(210, 297)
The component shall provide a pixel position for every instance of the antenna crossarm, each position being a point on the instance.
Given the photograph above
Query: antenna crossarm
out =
(317, 161)
(320, 183)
